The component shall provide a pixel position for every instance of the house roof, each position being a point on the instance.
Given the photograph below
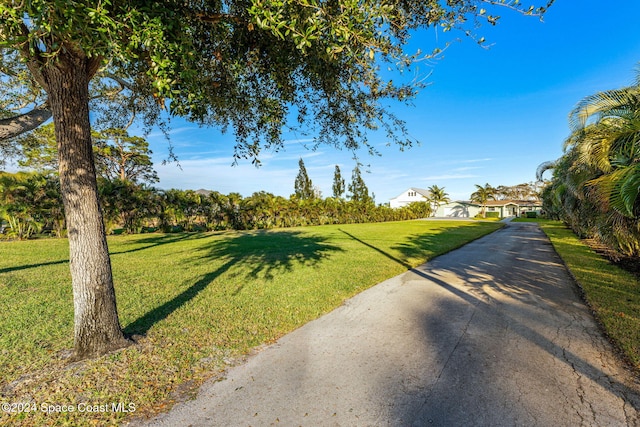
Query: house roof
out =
(421, 191)
(518, 202)
(498, 203)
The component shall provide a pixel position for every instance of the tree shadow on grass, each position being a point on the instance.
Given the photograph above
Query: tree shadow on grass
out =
(149, 242)
(420, 246)
(264, 254)
(375, 248)
(158, 240)
(430, 245)
(28, 266)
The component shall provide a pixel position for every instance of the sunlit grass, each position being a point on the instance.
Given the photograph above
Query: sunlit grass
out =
(612, 293)
(198, 300)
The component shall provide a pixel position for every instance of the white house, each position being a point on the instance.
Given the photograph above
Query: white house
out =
(504, 208)
(409, 196)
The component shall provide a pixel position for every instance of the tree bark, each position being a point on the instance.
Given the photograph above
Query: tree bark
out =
(96, 327)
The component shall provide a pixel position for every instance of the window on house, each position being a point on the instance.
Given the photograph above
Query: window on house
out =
(412, 193)
(492, 209)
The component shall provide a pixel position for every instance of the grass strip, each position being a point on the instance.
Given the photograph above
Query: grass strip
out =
(200, 300)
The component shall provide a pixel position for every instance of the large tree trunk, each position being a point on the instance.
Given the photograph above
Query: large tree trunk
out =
(97, 327)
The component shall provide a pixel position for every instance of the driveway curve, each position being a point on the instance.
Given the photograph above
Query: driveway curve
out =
(492, 334)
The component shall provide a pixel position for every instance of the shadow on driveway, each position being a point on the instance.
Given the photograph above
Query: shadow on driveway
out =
(515, 341)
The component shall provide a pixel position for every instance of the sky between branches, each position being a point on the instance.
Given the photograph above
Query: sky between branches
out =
(488, 116)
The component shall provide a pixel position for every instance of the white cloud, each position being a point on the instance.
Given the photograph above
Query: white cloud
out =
(455, 162)
(448, 176)
(301, 141)
(468, 168)
(218, 174)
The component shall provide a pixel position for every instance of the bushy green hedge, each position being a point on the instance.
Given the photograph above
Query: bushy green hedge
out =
(130, 208)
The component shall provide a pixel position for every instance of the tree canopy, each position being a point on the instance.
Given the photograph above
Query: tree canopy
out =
(437, 196)
(124, 157)
(482, 195)
(244, 65)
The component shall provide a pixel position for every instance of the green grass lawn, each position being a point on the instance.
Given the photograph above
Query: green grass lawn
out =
(199, 300)
(611, 292)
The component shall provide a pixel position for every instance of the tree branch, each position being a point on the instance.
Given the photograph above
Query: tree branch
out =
(32, 57)
(122, 82)
(93, 65)
(17, 125)
(515, 5)
(215, 18)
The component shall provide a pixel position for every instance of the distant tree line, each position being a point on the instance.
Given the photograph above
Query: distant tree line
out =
(30, 202)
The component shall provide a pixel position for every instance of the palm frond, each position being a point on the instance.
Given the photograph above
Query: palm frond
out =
(619, 189)
(543, 167)
(616, 102)
(630, 189)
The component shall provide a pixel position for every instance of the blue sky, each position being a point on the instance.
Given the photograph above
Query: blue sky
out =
(488, 115)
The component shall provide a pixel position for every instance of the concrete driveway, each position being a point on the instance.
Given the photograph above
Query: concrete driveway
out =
(492, 334)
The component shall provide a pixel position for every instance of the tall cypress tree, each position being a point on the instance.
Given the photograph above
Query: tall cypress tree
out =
(357, 188)
(303, 184)
(338, 183)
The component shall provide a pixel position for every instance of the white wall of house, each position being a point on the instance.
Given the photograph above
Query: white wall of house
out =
(457, 210)
(507, 210)
(532, 208)
(409, 196)
(469, 210)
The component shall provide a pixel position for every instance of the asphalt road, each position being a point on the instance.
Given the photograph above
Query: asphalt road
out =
(492, 334)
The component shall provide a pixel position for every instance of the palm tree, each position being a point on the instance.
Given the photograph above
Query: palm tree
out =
(437, 197)
(606, 136)
(482, 195)
(596, 183)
